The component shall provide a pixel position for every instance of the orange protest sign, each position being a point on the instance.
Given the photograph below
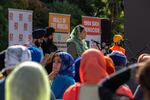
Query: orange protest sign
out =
(61, 22)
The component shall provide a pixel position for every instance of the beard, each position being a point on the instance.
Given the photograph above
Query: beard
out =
(49, 41)
(37, 44)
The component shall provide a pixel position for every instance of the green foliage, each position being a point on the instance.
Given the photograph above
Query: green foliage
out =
(40, 16)
(67, 8)
(18, 4)
(114, 9)
(85, 5)
(111, 9)
(40, 13)
(3, 29)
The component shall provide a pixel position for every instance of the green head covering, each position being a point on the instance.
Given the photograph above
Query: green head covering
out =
(81, 45)
(28, 81)
(76, 30)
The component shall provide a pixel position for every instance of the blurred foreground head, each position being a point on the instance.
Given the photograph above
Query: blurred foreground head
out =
(143, 76)
(15, 55)
(28, 81)
(92, 66)
(143, 57)
(119, 59)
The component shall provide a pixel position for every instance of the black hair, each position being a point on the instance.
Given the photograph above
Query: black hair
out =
(38, 33)
(48, 67)
(56, 53)
(49, 31)
(80, 28)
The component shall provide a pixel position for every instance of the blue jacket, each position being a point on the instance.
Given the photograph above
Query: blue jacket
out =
(60, 84)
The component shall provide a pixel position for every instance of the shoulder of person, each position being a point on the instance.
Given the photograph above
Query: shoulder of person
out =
(72, 92)
(70, 41)
(55, 47)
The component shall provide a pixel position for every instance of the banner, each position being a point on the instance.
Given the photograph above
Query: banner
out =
(20, 26)
(92, 24)
(93, 29)
(61, 23)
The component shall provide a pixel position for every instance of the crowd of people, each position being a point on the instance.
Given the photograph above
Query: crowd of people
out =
(40, 71)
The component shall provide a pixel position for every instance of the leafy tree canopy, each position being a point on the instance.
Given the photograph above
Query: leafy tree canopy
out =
(111, 9)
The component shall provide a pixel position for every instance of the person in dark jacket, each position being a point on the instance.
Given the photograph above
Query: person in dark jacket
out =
(49, 47)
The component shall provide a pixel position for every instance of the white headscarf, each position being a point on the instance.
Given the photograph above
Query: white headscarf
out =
(15, 55)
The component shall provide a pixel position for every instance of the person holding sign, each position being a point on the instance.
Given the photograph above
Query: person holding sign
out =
(76, 44)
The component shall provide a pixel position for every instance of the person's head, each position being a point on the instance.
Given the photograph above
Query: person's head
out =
(119, 59)
(63, 64)
(92, 66)
(28, 81)
(143, 75)
(143, 57)
(79, 32)
(117, 38)
(49, 33)
(15, 55)
(103, 44)
(38, 36)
